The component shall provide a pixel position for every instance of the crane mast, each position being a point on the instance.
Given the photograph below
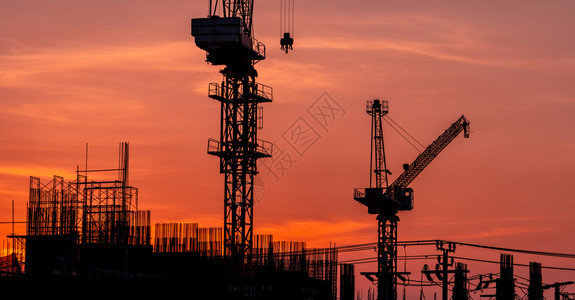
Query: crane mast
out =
(227, 37)
(386, 200)
(377, 109)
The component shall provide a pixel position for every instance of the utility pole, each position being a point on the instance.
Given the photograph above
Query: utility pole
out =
(444, 261)
(442, 269)
(557, 286)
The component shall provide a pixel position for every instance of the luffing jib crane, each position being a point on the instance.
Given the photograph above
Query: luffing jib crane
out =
(386, 200)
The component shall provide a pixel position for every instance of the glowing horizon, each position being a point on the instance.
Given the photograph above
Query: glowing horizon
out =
(73, 73)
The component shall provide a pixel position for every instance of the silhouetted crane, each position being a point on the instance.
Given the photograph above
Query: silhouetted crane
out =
(386, 200)
(227, 37)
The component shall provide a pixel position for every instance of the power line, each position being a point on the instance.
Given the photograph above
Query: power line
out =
(367, 246)
(374, 259)
(519, 265)
(533, 252)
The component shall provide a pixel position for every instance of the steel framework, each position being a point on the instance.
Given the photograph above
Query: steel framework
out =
(110, 207)
(385, 200)
(53, 208)
(227, 37)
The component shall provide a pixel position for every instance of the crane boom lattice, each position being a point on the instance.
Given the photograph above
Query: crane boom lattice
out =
(417, 166)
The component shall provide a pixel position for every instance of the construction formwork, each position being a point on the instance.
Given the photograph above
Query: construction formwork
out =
(347, 282)
(175, 237)
(505, 284)
(267, 255)
(292, 256)
(140, 229)
(460, 282)
(188, 237)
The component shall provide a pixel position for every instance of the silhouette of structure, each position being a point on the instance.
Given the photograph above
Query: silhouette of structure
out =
(347, 282)
(442, 271)
(535, 290)
(287, 24)
(227, 37)
(97, 219)
(386, 200)
(96, 230)
(443, 266)
(557, 286)
(89, 232)
(460, 291)
(505, 284)
(270, 258)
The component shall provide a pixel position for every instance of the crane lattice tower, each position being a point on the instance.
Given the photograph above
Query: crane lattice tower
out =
(227, 37)
(386, 210)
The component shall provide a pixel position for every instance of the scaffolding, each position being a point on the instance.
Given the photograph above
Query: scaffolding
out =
(64, 219)
(53, 208)
(110, 207)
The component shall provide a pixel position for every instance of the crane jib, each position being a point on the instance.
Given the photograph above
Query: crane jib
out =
(462, 124)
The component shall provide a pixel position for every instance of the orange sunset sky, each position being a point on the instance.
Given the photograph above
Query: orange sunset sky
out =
(104, 72)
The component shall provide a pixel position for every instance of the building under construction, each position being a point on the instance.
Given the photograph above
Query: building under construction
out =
(90, 233)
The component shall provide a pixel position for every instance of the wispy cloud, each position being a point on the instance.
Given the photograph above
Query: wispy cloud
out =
(507, 231)
(24, 68)
(43, 172)
(469, 53)
(434, 36)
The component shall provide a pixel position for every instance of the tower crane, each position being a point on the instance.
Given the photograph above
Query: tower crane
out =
(386, 200)
(227, 37)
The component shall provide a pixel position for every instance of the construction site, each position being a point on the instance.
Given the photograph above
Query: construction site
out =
(93, 233)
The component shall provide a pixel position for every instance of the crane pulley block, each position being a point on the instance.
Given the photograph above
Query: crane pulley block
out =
(286, 42)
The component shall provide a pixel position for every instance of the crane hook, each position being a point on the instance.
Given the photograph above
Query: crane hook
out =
(286, 42)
